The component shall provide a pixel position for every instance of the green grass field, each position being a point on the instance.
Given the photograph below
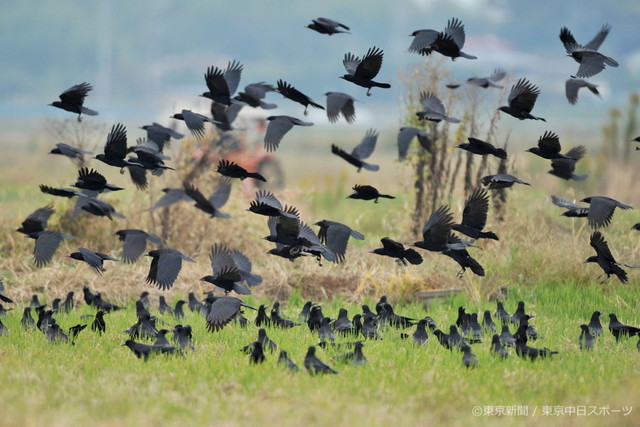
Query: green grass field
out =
(99, 382)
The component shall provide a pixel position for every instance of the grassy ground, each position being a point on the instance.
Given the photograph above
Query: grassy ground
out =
(100, 381)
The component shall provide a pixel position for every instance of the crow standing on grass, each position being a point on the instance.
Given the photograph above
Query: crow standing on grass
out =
(72, 100)
(314, 365)
(618, 329)
(362, 71)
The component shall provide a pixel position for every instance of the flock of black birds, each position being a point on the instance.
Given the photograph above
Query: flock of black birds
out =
(294, 238)
(467, 331)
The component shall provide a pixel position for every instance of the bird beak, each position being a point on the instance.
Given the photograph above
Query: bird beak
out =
(122, 345)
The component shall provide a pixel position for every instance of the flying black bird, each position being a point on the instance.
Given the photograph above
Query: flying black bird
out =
(572, 86)
(548, 147)
(73, 153)
(462, 257)
(336, 236)
(636, 226)
(595, 327)
(433, 109)
(591, 61)
(60, 192)
(165, 266)
(436, 231)
(37, 220)
(585, 340)
(337, 103)
(92, 259)
(221, 310)
(605, 260)
(477, 146)
(290, 92)
(115, 149)
(92, 180)
(161, 135)
(486, 82)
(565, 167)
(194, 121)
(98, 324)
(47, 243)
(501, 180)
(234, 170)
(474, 216)
(285, 360)
(314, 365)
(406, 135)
(226, 115)
(367, 192)
(222, 84)
(171, 196)
(277, 128)
(601, 210)
(360, 152)
(327, 26)
(268, 205)
(97, 207)
(521, 100)
(618, 329)
(72, 100)
(362, 71)
(448, 42)
(497, 348)
(254, 94)
(572, 210)
(135, 243)
(213, 204)
(296, 234)
(226, 274)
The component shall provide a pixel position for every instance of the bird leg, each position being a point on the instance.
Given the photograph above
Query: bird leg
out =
(306, 113)
(369, 92)
(376, 200)
(460, 274)
(79, 117)
(606, 278)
